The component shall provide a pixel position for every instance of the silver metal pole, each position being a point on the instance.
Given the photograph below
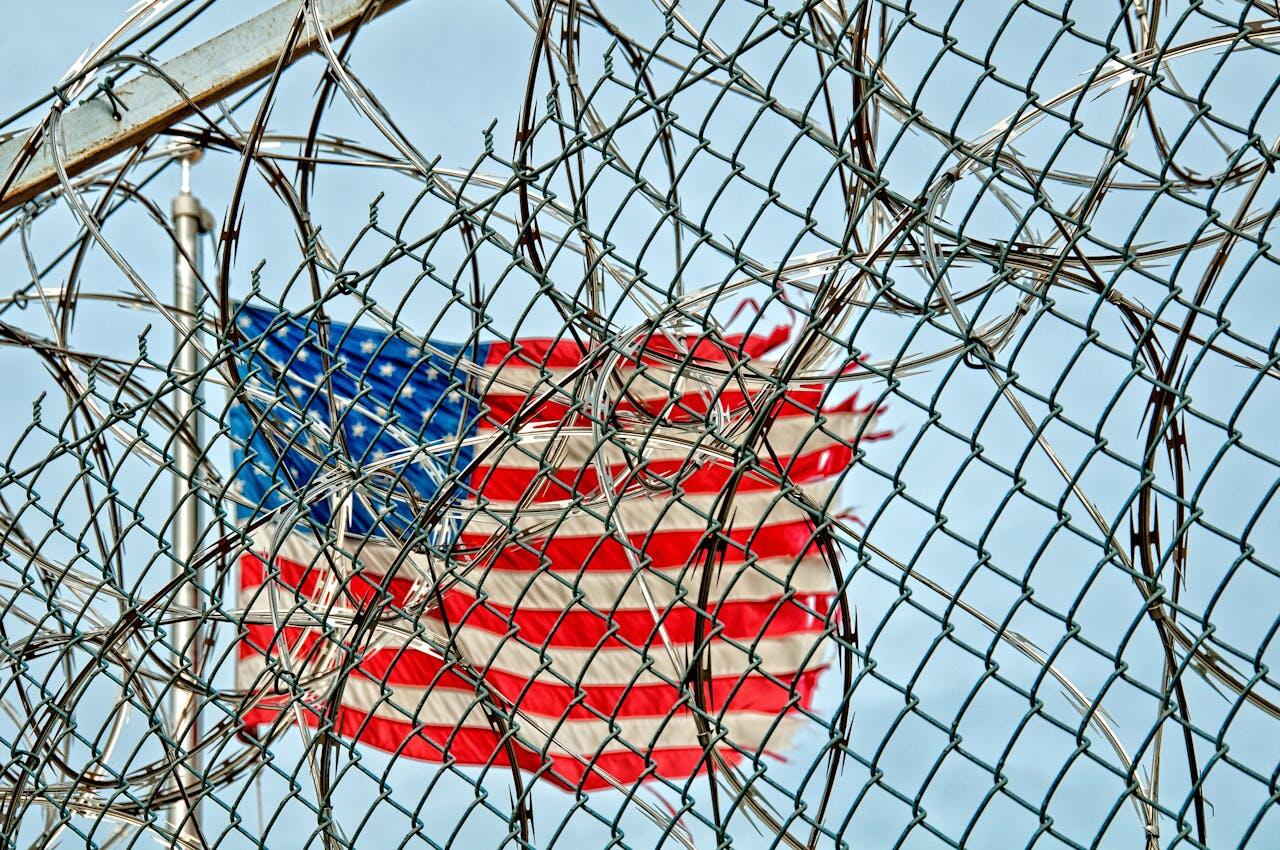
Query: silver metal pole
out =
(189, 220)
(206, 74)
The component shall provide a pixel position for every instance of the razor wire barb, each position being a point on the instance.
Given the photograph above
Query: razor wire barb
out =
(1032, 238)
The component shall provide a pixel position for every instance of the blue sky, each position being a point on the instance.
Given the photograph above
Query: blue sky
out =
(446, 71)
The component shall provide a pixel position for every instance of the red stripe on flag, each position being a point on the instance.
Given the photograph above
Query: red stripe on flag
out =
(573, 627)
(566, 353)
(471, 746)
(506, 483)
(542, 697)
(501, 406)
(655, 550)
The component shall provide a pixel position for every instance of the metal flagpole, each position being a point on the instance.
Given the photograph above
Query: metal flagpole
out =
(190, 220)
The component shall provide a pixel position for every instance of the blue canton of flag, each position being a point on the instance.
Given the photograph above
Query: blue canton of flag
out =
(384, 395)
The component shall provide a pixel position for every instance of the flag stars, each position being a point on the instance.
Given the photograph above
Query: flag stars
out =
(245, 321)
(379, 422)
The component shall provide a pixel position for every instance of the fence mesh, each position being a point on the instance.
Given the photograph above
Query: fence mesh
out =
(974, 293)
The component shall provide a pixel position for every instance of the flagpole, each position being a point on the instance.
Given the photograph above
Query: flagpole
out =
(190, 220)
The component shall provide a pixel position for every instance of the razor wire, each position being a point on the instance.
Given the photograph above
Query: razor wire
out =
(1031, 237)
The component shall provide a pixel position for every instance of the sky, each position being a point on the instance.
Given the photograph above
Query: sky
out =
(937, 496)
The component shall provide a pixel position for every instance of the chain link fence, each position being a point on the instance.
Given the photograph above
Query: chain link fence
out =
(699, 424)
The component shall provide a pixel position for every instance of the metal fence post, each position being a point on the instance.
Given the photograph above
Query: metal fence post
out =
(190, 220)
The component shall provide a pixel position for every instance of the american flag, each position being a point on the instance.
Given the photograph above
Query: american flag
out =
(570, 558)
